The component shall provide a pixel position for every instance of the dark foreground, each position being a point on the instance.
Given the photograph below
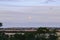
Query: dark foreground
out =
(40, 34)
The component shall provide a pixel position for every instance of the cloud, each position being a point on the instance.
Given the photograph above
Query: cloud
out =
(15, 15)
(43, 14)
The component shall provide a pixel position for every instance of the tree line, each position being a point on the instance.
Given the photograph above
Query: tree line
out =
(42, 33)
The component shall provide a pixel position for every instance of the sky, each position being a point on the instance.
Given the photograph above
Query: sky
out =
(30, 13)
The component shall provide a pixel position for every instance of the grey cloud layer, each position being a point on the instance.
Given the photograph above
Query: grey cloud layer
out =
(39, 14)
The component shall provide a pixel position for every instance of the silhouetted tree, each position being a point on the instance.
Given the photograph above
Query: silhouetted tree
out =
(3, 36)
(0, 24)
(11, 37)
(42, 33)
(53, 35)
(29, 36)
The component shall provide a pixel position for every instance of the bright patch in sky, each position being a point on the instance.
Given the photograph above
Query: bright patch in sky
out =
(30, 13)
(29, 18)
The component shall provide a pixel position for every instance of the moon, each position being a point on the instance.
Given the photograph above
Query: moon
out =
(29, 18)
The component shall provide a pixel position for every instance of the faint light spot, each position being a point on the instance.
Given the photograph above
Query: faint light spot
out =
(29, 18)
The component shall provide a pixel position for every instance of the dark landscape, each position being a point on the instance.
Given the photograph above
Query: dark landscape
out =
(41, 33)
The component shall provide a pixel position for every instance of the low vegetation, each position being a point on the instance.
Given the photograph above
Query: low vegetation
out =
(42, 33)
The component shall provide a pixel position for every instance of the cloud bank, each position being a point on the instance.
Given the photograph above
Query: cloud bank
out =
(18, 14)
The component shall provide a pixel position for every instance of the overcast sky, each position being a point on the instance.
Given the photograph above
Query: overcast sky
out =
(30, 13)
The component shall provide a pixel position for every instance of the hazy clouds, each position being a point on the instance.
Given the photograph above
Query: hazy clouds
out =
(13, 14)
